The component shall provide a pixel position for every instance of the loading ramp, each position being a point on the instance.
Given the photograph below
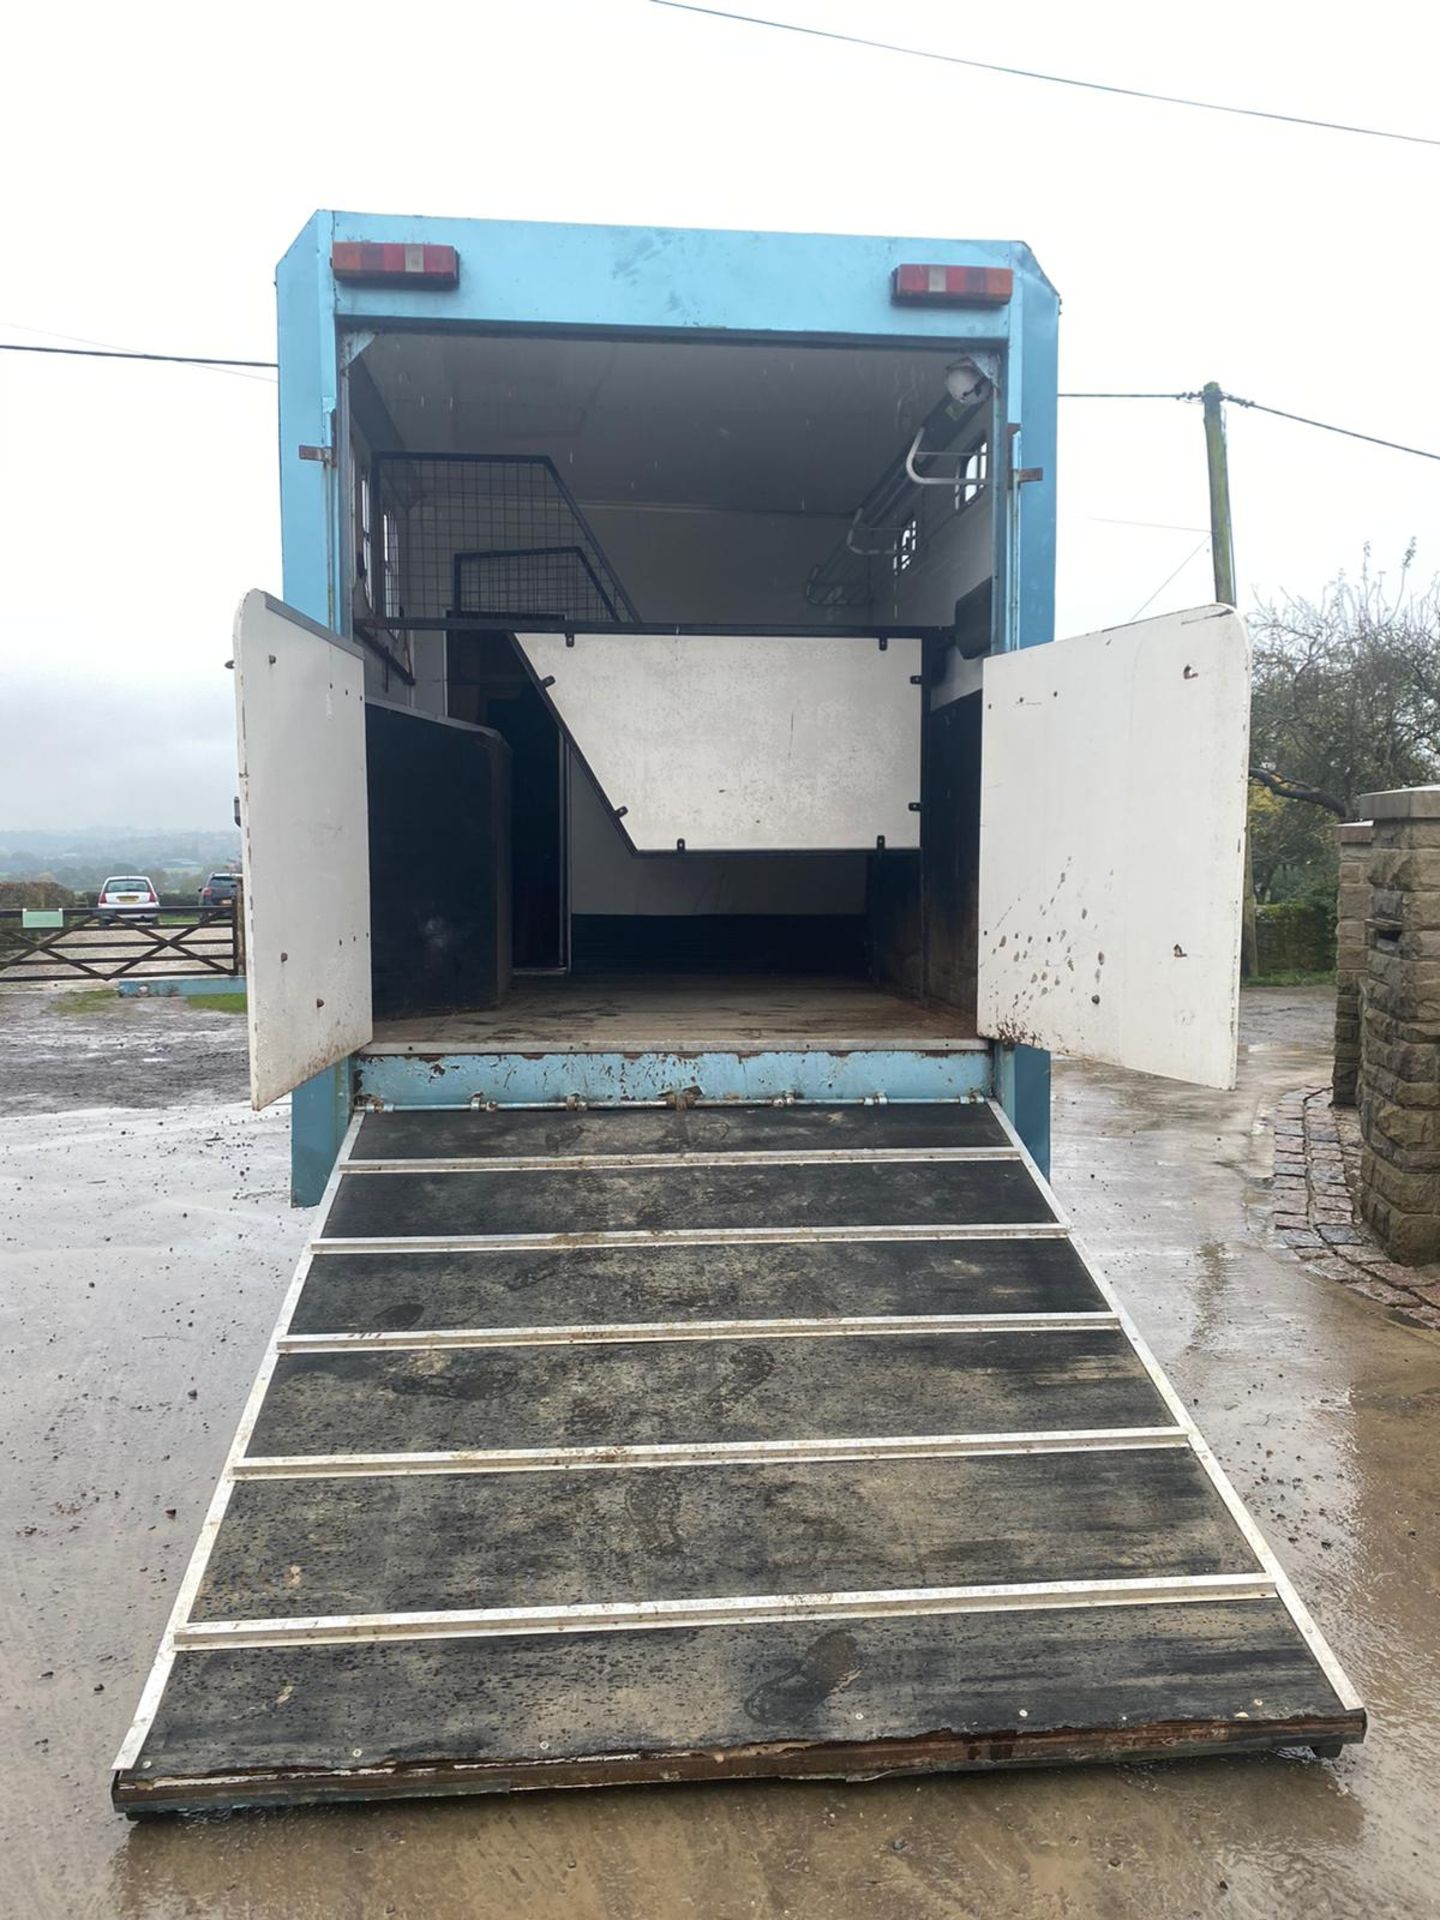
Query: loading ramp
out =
(648, 1444)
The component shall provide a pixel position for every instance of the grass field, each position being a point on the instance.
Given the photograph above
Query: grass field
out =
(102, 999)
(92, 1000)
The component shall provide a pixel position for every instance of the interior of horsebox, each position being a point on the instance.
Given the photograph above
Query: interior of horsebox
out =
(508, 489)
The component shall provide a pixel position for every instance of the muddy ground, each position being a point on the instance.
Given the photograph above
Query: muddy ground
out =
(61, 1050)
(144, 1244)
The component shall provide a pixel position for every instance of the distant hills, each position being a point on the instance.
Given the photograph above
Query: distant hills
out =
(84, 856)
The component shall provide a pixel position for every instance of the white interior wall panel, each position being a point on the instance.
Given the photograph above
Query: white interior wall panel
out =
(1112, 842)
(743, 743)
(607, 878)
(956, 554)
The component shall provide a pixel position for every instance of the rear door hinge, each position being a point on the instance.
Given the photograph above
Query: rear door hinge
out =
(1018, 476)
(325, 455)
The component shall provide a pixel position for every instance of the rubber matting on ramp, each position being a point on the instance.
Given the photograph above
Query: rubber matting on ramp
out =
(641, 1445)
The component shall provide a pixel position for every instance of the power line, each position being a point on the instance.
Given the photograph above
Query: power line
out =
(1055, 79)
(89, 340)
(1257, 406)
(1127, 396)
(215, 360)
(1325, 426)
(1151, 526)
(1194, 552)
(117, 353)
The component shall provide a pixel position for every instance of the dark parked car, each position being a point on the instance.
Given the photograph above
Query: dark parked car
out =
(218, 890)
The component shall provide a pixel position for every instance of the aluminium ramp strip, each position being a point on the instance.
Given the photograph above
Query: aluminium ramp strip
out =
(754, 1442)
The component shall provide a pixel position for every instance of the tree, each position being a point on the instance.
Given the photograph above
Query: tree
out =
(1292, 847)
(1346, 694)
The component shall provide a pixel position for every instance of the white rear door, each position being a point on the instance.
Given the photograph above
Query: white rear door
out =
(739, 743)
(1112, 844)
(300, 715)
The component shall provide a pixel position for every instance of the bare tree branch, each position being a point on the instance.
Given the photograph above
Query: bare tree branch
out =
(1287, 789)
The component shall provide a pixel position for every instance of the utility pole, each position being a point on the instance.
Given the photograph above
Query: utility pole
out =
(1222, 538)
(1222, 555)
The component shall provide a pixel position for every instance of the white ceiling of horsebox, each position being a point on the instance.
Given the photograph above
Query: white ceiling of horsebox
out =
(762, 427)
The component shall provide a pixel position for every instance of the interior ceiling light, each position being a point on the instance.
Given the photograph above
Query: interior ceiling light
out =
(967, 384)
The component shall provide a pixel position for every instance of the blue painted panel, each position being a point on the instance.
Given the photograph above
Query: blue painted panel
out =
(607, 1079)
(309, 386)
(532, 274)
(309, 508)
(536, 273)
(319, 1114)
(1025, 595)
(1037, 447)
(1022, 1086)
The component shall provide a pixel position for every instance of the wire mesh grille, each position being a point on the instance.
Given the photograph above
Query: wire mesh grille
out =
(489, 537)
(554, 583)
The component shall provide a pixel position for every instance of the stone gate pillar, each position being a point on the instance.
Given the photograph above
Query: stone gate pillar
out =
(1352, 911)
(1399, 1080)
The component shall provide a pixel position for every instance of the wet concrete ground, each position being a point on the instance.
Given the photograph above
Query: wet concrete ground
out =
(61, 1050)
(143, 1251)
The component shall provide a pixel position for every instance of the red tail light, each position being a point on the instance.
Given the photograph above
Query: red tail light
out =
(953, 286)
(394, 264)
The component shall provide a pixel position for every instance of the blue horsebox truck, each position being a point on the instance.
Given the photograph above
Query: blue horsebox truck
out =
(672, 851)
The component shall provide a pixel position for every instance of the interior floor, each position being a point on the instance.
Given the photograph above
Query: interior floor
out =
(692, 1013)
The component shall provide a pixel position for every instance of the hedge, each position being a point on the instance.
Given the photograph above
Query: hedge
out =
(1295, 936)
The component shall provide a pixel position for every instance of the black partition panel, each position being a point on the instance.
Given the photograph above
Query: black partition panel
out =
(950, 863)
(439, 799)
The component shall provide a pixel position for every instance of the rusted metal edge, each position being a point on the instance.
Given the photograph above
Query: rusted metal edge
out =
(539, 1048)
(939, 1750)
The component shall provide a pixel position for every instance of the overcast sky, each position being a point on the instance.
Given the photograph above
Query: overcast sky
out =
(161, 157)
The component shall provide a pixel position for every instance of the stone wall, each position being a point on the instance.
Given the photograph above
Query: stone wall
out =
(1399, 1077)
(1352, 911)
